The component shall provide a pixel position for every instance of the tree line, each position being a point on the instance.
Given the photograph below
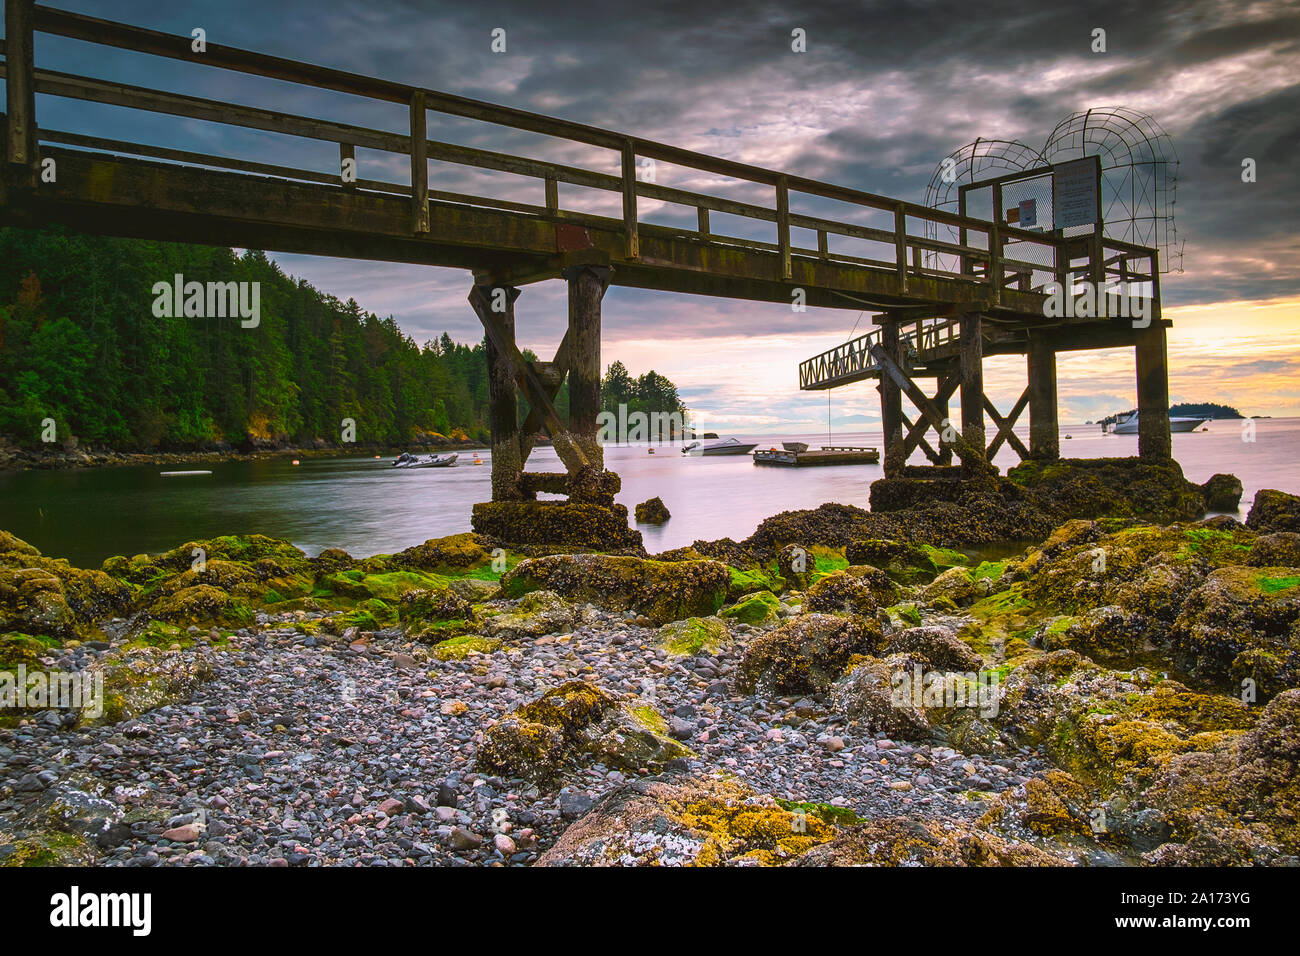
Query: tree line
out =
(82, 348)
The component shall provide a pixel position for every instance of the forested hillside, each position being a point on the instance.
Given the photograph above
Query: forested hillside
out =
(80, 344)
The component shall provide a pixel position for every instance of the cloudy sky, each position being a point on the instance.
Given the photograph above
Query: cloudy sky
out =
(882, 94)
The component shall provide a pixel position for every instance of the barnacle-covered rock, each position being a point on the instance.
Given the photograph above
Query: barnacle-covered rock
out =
(1243, 623)
(806, 654)
(574, 724)
(662, 590)
(652, 511)
(684, 821)
(555, 523)
(1274, 511)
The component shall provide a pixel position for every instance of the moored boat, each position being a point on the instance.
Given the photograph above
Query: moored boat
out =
(407, 460)
(728, 446)
(1129, 425)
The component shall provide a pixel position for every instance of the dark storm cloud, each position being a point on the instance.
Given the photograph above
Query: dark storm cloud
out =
(884, 92)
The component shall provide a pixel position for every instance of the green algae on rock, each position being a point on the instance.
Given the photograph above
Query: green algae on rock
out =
(754, 609)
(458, 648)
(572, 724)
(662, 590)
(694, 635)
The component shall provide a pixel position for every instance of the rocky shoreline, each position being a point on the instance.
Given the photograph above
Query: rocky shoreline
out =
(842, 688)
(58, 457)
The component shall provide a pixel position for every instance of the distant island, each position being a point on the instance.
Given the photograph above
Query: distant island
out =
(1207, 410)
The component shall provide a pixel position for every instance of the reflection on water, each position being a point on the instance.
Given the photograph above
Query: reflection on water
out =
(367, 507)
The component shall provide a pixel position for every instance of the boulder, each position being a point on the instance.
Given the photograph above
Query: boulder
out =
(868, 694)
(537, 613)
(936, 646)
(855, 590)
(684, 821)
(1107, 633)
(1274, 511)
(1280, 549)
(662, 590)
(10, 543)
(454, 554)
(694, 635)
(652, 511)
(434, 614)
(33, 601)
(1222, 493)
(573, 724)
(956, 586)
(1243, 623)
(903, 561)
(806, 654)
(200, 605)
(1235, 803)
(142, 680)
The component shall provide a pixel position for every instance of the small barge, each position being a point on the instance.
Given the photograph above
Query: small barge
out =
(798, 455)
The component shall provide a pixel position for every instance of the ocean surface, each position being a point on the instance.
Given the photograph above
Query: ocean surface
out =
(367, 507)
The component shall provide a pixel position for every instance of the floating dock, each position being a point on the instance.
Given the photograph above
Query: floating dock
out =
(826, 455)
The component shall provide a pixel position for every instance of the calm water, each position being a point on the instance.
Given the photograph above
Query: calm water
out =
(367, 507)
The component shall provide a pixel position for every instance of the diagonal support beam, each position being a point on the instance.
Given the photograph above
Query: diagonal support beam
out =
(535, 420)
(934, 456)
(1005, 426)
(525, 376)
(969, 454)
(917, 431)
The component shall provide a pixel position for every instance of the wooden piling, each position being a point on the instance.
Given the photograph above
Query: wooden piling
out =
(1153, 393)
(587, 286)
(1044, 425)
(945, 448)
(891, 403)
(972, 383)
(503, 401)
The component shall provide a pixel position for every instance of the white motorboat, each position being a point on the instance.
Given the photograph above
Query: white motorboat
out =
(729, 446)
(407, 460)
(1129, 425)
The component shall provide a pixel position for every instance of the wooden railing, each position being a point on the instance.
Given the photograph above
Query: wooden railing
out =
(853, 360)
(898, 237)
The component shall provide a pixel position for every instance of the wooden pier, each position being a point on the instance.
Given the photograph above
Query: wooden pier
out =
(875, 254)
